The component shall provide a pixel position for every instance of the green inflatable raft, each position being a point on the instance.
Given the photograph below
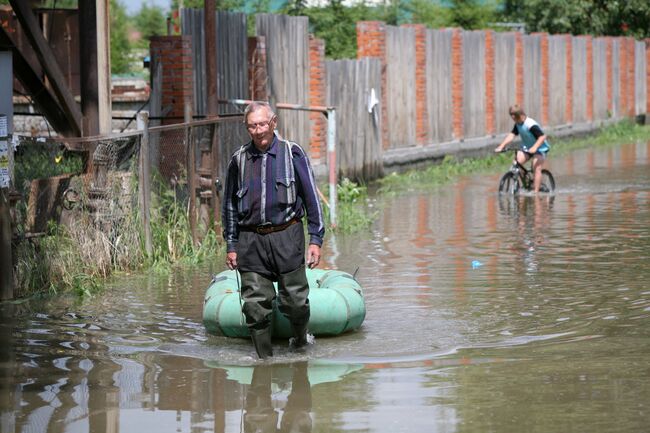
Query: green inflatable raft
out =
(335, 299)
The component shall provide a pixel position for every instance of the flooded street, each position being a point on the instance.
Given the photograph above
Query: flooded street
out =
(484, 314)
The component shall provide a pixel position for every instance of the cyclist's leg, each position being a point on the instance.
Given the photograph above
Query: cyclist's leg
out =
(522, 157)
(538, 164)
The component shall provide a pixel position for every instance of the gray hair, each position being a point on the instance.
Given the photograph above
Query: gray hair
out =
(258, 105)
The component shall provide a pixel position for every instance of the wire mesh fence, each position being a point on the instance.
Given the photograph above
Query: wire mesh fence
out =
(81, 200)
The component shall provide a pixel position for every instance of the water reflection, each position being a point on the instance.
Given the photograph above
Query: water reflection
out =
(551, 333)
(530, 218)
(260, 414)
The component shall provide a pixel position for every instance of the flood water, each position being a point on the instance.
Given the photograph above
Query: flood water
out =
(484, 314)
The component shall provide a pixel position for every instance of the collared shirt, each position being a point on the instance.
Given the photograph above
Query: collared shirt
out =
(270, 188)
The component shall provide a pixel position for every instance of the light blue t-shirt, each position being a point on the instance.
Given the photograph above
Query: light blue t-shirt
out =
(529, 131)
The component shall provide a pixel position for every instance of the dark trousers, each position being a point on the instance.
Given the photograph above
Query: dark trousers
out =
(265, 258)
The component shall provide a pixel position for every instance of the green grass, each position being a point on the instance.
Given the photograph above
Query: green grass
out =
(451, 168)
(352, 212)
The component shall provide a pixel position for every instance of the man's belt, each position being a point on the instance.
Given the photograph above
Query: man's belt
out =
(265, 230)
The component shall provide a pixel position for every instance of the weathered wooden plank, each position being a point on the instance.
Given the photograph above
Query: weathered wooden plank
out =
(232, 57)
(350, 88)
(601, 110)
(616, 108)
(287, 47)
(474, 104)
(505, 79)
(579, 82)
(640, 78)
(557, 80)
(532, 103)
(439, 76)
(400, 86)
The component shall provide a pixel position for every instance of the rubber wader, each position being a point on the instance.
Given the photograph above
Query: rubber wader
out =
(294, 303)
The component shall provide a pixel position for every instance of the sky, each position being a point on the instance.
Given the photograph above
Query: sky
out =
(133, 6)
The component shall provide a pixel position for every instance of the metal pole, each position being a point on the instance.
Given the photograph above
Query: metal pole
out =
(331, 162)
(191, 171)
(6, 254)
(145, 180)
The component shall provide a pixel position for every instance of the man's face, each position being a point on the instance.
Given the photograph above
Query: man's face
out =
(260, 125)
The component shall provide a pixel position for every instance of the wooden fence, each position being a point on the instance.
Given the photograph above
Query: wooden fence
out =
(470, 80)
(287, 54)
(439, 95)
(231, 50)
(353, 86)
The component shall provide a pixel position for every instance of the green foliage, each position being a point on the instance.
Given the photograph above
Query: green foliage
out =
(348, 191)
(200, 4)
(172, 236)
(448, 170)
(429, 13)
(150, 21)
(625, 131)
(336, 24)
(614, 18)
(472, 14)
(120, 45)
(353, 211)
(37, 162)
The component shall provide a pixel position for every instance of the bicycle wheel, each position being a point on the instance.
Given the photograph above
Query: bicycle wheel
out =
(548, 182)
(509, 183)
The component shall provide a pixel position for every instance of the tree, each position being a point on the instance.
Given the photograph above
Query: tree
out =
(336, 24)
(472, 14)
(150, 21)
(120, 46)
(432, 15)
(594, 17)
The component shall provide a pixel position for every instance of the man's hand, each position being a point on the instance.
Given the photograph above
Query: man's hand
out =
(231, 260)
(313, 256)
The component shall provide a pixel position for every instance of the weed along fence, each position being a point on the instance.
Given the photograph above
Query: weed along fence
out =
(117, 200)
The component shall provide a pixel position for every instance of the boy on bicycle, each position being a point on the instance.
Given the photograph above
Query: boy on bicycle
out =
(533, 142)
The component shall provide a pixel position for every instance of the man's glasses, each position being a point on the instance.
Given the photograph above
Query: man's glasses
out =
(262, 125)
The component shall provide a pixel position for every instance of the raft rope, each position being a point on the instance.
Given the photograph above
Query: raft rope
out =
(241, 300)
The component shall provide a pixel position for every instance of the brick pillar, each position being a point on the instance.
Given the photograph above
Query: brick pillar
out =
(371, 42)
(257, 72)
(421, 123)
(174, 54)
(317, 96)
(490, 120)
(545, 76)
(610, 79)
(519, 68)
(457, 82)
(590, 77)
(568, 115)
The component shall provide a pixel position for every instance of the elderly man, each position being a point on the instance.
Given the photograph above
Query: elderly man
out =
(269, 188)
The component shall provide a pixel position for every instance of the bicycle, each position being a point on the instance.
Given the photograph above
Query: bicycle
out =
(519, 177)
